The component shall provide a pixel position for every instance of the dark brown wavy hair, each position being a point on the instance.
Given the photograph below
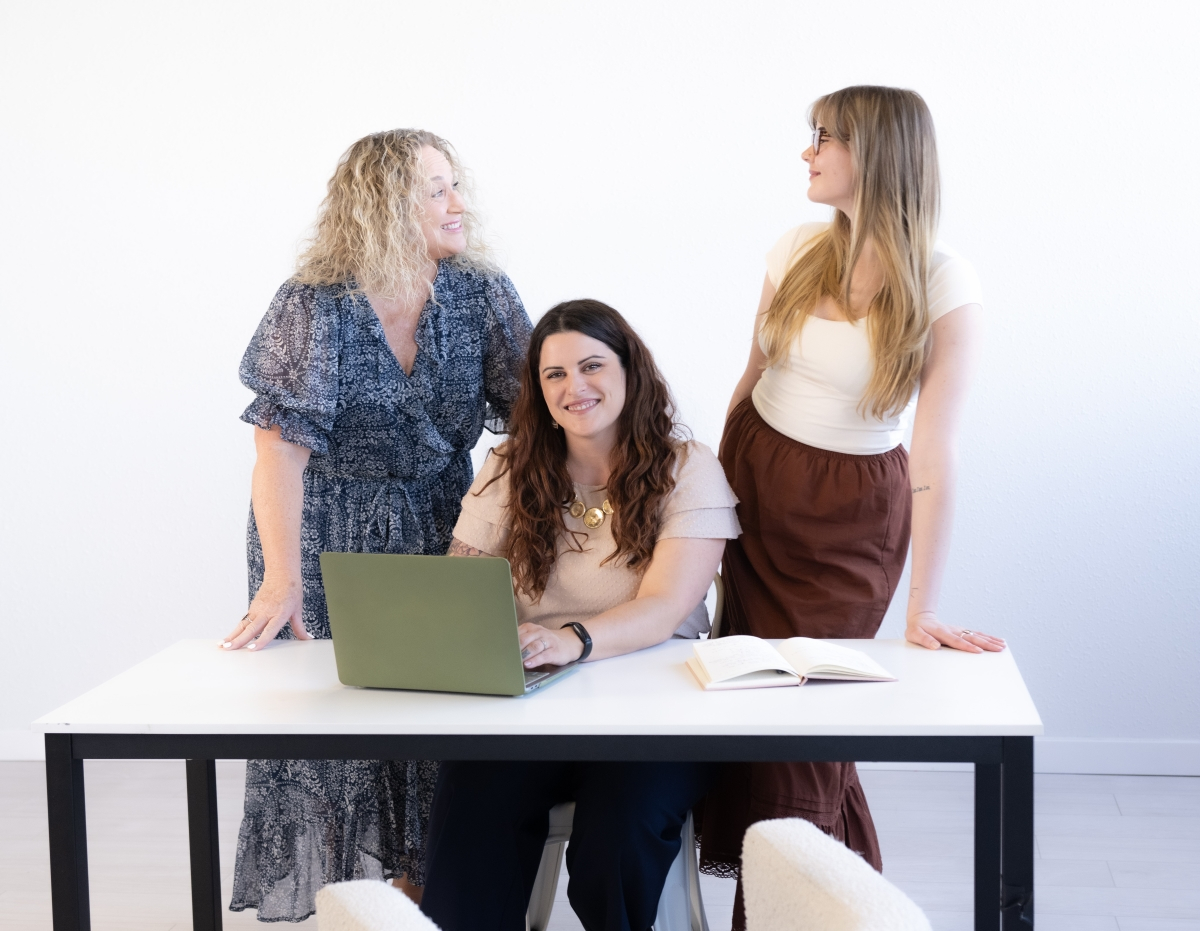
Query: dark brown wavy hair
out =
(535, 455)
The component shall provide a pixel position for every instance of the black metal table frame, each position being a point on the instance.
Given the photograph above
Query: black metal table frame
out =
(1003, 792)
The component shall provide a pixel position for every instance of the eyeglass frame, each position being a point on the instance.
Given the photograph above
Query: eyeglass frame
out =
(816, 138)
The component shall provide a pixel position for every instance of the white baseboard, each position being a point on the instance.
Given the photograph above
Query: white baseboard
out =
(1108, 756)
(22, 744)
(1117, 756)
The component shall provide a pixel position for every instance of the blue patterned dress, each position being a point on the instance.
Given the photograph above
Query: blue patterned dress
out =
(389, 467)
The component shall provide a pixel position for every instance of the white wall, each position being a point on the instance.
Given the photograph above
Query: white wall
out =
(160, 162)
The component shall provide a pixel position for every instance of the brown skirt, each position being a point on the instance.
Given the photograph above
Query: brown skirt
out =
(824, 539)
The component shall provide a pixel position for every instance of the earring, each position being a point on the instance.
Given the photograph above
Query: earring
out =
(554, 424)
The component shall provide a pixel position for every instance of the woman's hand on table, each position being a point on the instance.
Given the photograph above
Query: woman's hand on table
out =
(541, 646)
(276, 603)
(924, 629)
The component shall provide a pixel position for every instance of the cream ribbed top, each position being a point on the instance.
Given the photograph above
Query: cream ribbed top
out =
(813, 394)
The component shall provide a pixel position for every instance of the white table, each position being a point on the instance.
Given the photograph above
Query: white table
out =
(196, 702)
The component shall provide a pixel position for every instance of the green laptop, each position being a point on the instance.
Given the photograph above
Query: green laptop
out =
(432, 623)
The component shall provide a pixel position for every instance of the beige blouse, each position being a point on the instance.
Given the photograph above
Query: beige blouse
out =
(702, 505)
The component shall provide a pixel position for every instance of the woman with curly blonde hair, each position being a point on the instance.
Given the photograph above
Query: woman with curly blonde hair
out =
(375, 370)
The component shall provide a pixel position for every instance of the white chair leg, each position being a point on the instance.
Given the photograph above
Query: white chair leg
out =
(541, 900)
(695, 899)
(681, 908)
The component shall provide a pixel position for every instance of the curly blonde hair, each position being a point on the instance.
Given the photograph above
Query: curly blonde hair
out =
(368, 231)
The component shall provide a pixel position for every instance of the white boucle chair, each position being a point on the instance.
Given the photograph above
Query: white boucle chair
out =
(368, 905)
(797, 878)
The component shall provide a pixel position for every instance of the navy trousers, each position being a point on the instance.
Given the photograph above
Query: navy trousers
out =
(489, 826)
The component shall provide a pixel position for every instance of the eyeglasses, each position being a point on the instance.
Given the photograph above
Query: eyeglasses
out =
(819, 136)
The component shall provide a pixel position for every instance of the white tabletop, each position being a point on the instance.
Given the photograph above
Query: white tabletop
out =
(292, 687)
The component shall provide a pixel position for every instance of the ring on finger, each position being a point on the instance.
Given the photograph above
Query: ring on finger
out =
(966, 633)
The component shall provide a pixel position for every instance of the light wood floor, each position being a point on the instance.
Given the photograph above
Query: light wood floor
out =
(1115, 853)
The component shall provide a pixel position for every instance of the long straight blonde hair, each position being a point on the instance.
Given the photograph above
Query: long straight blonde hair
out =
(893, 153)
(368, 234)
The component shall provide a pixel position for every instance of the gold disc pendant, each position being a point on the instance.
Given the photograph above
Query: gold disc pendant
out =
(593, 518)
(606, 507)
(577, 509)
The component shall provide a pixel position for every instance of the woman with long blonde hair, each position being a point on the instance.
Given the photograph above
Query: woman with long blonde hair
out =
(864, 322)
(375, 369)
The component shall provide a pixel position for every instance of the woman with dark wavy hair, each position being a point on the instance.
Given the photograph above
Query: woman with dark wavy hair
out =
(614, 525)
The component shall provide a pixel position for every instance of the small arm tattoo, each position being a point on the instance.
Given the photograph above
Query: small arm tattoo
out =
(458, 548)
(922, 488)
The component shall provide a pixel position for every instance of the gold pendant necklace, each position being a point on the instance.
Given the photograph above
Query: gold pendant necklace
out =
(592, 517)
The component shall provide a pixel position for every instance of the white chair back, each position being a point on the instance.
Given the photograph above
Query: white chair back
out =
(797, 878)
(718, 608)
(368, 905)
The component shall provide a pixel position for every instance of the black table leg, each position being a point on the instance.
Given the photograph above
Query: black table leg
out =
(988, 802)
(70, 905)
(1017, 788)
(202, 838)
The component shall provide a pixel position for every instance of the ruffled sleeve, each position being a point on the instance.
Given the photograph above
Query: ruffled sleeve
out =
(508, 330)
(291, 365)
(483, 522)
(702, 504)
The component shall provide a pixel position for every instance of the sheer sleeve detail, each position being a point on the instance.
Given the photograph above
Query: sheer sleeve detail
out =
(291, 365)
(702, 504)
(507, 340)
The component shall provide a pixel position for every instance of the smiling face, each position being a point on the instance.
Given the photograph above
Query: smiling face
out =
(830, 174)
(442, 223)
(583, 383)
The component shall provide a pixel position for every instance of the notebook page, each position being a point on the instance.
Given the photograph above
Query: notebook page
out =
(769, 679)
(728, 657)
(822, 659)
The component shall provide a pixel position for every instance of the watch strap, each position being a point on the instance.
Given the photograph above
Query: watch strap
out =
(582, 634)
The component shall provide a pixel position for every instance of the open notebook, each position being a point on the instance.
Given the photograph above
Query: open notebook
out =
(751, 663)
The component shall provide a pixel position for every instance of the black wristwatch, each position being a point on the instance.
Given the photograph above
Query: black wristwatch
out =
(582, 634)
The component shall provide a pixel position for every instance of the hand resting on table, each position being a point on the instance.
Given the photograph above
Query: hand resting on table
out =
(275, 604)
(924, 629)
